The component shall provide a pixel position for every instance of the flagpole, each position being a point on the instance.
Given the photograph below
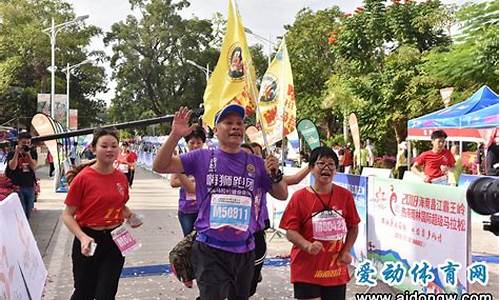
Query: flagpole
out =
(285, 91)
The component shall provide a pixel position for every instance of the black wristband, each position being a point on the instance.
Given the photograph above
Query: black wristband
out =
(277, 177)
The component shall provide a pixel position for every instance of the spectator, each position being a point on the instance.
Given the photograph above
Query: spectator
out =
(454, 175)
(361, 158)
(401, 160)
(340, 154)
(347, 158)
(188, 206)
(370, 149)
(436, 162)
(50, 162)
(480, 161)
(492, 158)
(72, 154)
(21, 166)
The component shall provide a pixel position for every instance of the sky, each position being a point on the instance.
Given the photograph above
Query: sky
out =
(266, 18)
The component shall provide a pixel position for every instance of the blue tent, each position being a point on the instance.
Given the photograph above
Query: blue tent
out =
(450, 117)
(483, 118)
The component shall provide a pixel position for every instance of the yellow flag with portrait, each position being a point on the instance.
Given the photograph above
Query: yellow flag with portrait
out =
(233, 80)
(276, 98)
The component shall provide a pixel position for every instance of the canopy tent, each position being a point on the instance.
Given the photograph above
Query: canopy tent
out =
(483, 118)
(454, 119)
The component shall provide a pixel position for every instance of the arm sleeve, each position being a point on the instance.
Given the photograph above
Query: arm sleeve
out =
(292, 219)
(75, 193)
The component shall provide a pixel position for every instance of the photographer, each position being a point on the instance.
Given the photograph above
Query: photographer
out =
(21, 165)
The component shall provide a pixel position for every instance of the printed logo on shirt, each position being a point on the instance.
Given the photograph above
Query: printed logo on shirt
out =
(222, 181)
(120, 188)
(251, 170)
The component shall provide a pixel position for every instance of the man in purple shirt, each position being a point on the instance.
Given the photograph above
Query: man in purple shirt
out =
(228, 180)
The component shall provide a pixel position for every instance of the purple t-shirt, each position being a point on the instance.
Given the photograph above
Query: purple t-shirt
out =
(226, 186)
(187, 202)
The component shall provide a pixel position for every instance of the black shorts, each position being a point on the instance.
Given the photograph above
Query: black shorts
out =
(309, 291)
(221, 274)
(260, 255)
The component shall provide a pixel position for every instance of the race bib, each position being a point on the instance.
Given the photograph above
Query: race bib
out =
(230, 210)
(329, 226)
(124, 239)
(123, 168)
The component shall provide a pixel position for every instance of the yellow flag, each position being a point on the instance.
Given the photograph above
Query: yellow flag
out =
(233, 80)
(277, 98)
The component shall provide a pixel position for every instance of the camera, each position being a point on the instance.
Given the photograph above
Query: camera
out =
(26, 148)
(482, 197)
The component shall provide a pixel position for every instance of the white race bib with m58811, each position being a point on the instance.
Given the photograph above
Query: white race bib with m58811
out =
(230, 210)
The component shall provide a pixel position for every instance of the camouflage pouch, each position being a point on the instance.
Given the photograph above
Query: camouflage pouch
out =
(180, 258)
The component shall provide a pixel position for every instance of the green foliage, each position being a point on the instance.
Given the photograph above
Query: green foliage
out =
(311, 60)
(378, 56)
(473, 60)
(25, 56)
(149, 60)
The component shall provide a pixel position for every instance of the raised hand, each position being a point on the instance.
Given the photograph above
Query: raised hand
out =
(180, 125)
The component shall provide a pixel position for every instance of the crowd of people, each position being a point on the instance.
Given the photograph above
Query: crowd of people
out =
(223, 199)
(222, 204)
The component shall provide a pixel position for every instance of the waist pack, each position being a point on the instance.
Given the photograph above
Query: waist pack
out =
(180, 258)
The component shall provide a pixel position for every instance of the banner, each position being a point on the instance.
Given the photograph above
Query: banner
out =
(233, 80)
(22, 272)
(43, 104)
(353, 124)
(60, 109)
(276, 99)
(45, 125)
(310, 133)
(412, 223)
(358, 185)
(73, 119)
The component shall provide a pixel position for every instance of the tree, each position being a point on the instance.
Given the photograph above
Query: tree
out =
(473, 60)
(378, 55)
(25, 56)
(308, 43)
(149, 60)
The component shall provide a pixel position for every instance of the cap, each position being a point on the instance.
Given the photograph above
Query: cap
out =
(232, 108)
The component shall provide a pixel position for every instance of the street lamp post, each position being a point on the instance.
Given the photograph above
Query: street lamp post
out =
(270, 43)
(205, 70)
(68, 70)
(52, 33)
